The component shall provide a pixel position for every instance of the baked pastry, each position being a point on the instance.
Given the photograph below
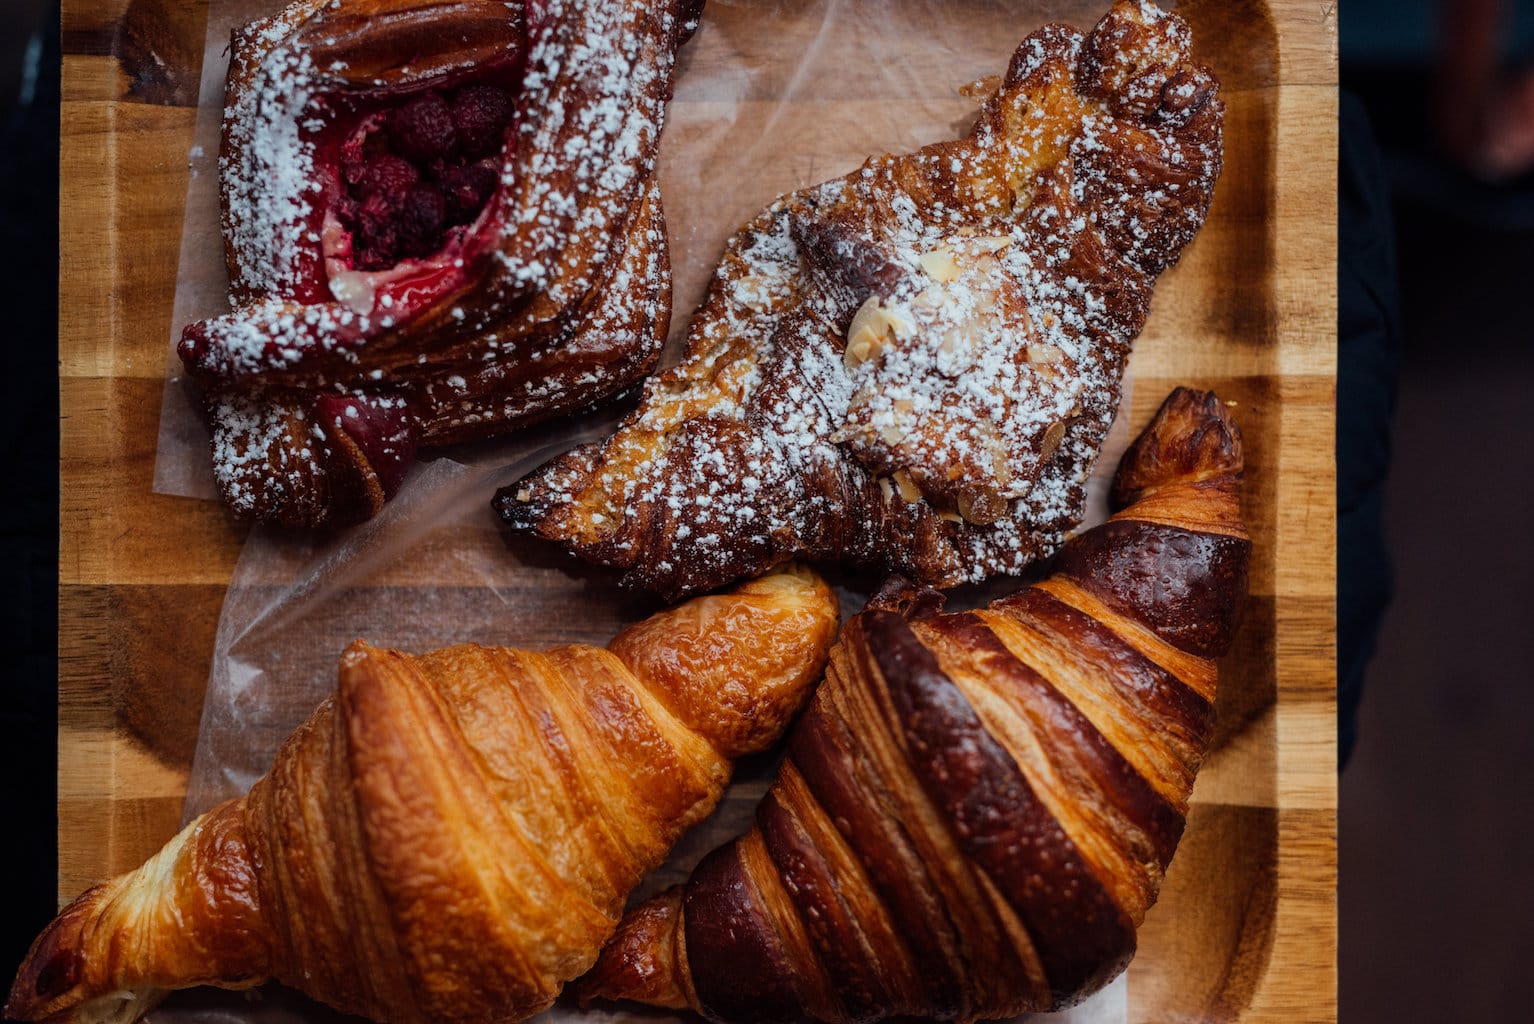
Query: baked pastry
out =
(977, 808)
(913, 367)
(442, 222)
(452, 836)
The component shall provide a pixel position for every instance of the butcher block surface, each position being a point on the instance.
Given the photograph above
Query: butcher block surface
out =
(1246, 926)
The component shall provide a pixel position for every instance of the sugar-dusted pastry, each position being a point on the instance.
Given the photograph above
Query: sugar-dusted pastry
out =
(913, 367)
(977, 809)
(451, 837)
(441, 222)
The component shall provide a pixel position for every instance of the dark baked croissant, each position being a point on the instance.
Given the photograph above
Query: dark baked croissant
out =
(913, 367)
(441, 221)
(452, 836)
(977, 808)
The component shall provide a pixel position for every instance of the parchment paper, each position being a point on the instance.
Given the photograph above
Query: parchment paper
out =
(769, 97)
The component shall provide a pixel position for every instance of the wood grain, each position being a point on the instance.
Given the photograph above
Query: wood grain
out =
(1246, 929)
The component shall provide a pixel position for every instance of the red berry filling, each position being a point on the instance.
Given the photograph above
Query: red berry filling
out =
(382, 432)
(410, 175)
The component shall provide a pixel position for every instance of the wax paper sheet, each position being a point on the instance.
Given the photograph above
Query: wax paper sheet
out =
(769, 97)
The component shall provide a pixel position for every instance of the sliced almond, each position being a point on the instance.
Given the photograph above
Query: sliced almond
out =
(873, 326)
(940, 265)
(907, 484)
(860, 350)
(1001, 467)
(981, 505)
(1052, 438)
(994, 243)
(929, 298)
(969, 336)
(1045, 354)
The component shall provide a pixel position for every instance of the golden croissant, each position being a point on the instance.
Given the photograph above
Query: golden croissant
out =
(977, 809)
(912, 367)
(451, 836)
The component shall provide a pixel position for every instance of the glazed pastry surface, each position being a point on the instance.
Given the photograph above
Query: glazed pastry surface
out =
(452, 836)
(978, 808)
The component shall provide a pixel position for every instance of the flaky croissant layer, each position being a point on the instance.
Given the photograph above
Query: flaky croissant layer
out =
(451, 836)
(978, 808)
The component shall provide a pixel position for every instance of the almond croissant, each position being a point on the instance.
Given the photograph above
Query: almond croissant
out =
(452, 836)
(977, 809)
(912, 367)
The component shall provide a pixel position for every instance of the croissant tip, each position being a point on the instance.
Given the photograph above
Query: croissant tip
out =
(1187, 404)
(357, 650)
(640, 963)
(53, 967)
(360, 662)
(1191, 437)
(898, 594)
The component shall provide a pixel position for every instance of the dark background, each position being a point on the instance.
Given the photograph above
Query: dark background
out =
(1437, 827)
(29, 414)
(1436, 817)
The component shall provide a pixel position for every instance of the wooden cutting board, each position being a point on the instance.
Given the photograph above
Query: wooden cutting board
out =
(1246, 928)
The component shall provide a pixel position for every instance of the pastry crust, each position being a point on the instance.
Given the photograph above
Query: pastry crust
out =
(452, 836)
(327, 376)
(977, 809)
(913, 367)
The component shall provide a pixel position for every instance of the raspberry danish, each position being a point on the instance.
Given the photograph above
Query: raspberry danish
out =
(913, 367)
(441, 222)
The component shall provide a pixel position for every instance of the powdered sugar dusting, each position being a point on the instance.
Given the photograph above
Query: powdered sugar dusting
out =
(261, 451)
(914, 366)
(268, 173)
(555, 296)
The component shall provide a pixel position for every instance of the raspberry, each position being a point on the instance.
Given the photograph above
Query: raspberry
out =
(377, 244)
(420, 220)
(467, 188)
(353, 164)
(385, 436)
(422, 130)
(386, 201)
(480, 114)
(388, 176)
